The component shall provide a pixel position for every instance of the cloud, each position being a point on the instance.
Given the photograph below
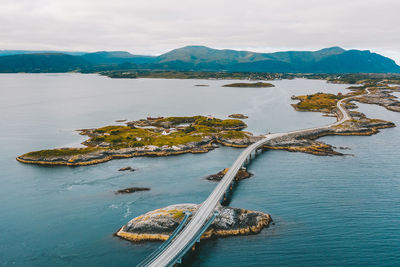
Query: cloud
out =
(156, 26)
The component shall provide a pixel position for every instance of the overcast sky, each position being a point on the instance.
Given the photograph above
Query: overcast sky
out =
(157, 26)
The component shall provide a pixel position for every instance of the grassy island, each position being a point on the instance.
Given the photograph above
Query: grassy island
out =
(152, 136)
(317, 102)
(249, 85)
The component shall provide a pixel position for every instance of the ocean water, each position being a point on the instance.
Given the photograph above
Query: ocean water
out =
(328, 211)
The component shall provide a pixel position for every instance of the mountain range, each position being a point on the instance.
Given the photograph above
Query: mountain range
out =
(200, 58)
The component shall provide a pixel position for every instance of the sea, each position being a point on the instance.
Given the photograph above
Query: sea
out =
(327, 211)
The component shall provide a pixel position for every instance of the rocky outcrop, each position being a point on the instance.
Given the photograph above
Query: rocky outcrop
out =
(129, 168)
(160, 223)
(238, 116)
(245, 141)
(241, 174)
(132, 190)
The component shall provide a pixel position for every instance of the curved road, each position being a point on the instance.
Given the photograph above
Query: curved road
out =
(170, 253)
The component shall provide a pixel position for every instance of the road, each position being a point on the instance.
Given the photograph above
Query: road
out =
(169, 255)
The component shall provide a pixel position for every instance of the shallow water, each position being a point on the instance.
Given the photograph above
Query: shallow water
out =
(327, 210)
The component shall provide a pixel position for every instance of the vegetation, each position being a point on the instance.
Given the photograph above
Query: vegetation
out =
(202, 62)
(218, 123)
(318, 102)
(232, 135)
(170, 134)
(60, 152)
(178, 214)
(125, 136)
(248, 85)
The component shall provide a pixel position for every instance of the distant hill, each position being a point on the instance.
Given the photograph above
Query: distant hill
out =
(201, 58)
(328, 60)
(19, 52)
(116, 57)
(47, 62)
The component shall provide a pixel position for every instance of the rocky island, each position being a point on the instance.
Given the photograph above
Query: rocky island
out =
(242, 174)
(159, 224)
(238, 116)
(147, 137)
(132, 190)
(249, 85)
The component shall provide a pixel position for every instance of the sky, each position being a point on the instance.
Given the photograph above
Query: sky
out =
(154, 27)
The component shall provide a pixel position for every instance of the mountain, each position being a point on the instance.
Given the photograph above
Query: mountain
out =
(202, 54)
(19, 52)
(201, 58)
(46, 62)
(116, 57)
(328, 60)
(356, 61)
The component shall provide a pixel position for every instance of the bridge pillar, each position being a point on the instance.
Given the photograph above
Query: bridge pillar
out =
(194, 247)
(230, 187)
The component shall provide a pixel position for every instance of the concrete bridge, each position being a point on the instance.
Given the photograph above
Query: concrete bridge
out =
(173, 252)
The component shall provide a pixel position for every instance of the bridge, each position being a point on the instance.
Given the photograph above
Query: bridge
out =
(172, 252)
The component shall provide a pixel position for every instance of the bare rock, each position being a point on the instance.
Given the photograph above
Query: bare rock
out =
(242, 174)
(132, 190)
(129, 168)
(160, 223)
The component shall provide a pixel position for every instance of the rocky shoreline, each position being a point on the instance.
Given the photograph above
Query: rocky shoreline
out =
(158, 225)
(104, 155)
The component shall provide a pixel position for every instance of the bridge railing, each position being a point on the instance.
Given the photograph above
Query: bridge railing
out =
(196, 238)
(156, 252)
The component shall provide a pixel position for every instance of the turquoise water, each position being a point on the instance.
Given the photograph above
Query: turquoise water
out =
(328, 210)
